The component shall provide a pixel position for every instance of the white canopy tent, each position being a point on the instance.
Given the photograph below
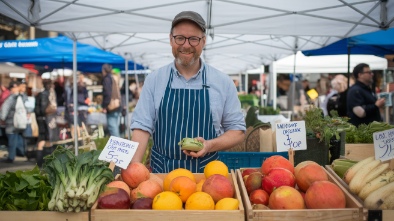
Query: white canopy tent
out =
(238, 23)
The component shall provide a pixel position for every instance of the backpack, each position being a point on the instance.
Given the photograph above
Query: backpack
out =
(20, 116)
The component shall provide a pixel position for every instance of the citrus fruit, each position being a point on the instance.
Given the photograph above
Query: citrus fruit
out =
(200, 201)
(227, 204)
(176, 173)
(167, 200)
(215, 167)
(183, 186)
(199, 185)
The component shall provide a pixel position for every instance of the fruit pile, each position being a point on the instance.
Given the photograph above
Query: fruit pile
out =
(140, 189)
(372, 181)
(280, 185)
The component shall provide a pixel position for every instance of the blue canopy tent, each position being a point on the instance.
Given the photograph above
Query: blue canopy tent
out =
(62, 52)
(379, 43)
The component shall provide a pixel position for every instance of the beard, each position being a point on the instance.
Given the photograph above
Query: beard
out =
(183, 61)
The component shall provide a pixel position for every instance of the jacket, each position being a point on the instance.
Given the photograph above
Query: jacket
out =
(8, 111)
(42, 101)
(362, 95)
(107, 90)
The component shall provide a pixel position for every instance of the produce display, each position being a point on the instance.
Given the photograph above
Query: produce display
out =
(24, 191)
(137, 188)
(364, 133)
(280, 185)
(76, 180)
(371, 180)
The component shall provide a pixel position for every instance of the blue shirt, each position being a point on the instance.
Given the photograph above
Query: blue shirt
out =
(225, 105)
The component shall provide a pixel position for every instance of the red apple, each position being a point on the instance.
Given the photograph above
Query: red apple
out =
(259, 197)
(246, 172)
(114, 198)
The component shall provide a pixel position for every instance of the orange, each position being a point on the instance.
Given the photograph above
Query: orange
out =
(227, 204)
(174, 174)
(167, 200)
(199, 185)
(183, 186)
(200, 201)
(215, 167)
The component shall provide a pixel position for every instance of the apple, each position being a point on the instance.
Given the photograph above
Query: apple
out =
(143, 203)
(259, 197)
(114, 198)
(253, 182)
(246, 172)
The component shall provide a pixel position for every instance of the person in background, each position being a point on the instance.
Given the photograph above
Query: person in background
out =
(336, 99)
(4, 93)
(45, 110)
(83, 102)
(16, 144)
(187, 99)
(362, 105)
(110, 86)
(60, 91)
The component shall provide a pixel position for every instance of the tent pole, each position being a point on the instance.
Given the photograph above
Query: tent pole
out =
(126, 88)
(75, 96)
(348, 66)
(273, 89)
(136, 77)
(290, 102)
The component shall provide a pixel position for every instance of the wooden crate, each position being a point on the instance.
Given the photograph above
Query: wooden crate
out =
(361, 151)
(353, 210)
(383, 214)
(171, 215)
(42, 216)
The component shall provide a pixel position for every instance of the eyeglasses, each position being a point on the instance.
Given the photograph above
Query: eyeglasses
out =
(367, 72)
(193, 41)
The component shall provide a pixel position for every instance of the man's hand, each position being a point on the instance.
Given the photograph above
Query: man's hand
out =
(207, 147)
(380, 102)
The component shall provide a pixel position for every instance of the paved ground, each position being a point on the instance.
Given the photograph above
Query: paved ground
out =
(20, 163)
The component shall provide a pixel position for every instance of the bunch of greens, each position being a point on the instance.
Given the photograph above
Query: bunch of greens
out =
(77, 180)
(24, 190)
(364, 133)
(268, 111)
(325, 128)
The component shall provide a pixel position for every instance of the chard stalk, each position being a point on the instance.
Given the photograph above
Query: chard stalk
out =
(94, 191)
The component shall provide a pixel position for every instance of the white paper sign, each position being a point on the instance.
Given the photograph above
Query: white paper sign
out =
(384, 144)
(290, 135)
(119, 150)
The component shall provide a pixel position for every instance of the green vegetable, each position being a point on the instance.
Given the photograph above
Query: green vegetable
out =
(364, 133)
(24, 190)
(190, 144)
(77, 180)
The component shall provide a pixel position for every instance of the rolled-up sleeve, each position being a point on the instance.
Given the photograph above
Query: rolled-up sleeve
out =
(144, 114)
(233, 118)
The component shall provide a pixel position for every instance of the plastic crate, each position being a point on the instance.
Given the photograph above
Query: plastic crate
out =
(237, 160)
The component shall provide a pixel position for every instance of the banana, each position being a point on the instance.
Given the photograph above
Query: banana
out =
(352, 170)
(376, 172)
(388, 202)
(357, 182)
(375, 199)
(376, 183)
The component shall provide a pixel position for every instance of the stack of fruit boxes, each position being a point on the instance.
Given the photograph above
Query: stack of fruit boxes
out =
(171, 215)
(43, 216)
(353, 210)
(386, 215)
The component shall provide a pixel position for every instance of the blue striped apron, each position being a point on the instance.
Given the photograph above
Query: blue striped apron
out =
(182, 113)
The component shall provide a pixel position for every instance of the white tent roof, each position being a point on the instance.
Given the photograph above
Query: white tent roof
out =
(328, 64)
(251, 32)
(6, 68)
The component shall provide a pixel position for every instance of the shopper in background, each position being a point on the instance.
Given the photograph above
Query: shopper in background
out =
(10, 108)
(111, 100)
(362, 105)
(187, 98)
(45, 110)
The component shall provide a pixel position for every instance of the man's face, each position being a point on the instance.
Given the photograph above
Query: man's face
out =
(22, 88)
(366, 76)
(187, 55)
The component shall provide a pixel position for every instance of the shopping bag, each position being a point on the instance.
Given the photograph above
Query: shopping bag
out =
(266, 140)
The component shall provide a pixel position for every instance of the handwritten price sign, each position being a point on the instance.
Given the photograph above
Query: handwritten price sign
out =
(290, 135)
(119, 150)
(384, 144)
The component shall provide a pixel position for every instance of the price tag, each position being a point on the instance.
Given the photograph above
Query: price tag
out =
(119, 150)
(383, 143)
(290, 135)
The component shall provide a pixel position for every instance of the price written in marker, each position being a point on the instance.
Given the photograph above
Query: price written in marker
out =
(384, 145)
(119, 150)
(290, 135)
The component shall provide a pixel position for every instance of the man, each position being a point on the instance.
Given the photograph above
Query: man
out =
(187, 98)
(362, 104)
(110, 91)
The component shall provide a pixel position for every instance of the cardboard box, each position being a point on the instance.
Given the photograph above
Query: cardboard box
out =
(361, 151)
(171, 215)
(353, 210)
